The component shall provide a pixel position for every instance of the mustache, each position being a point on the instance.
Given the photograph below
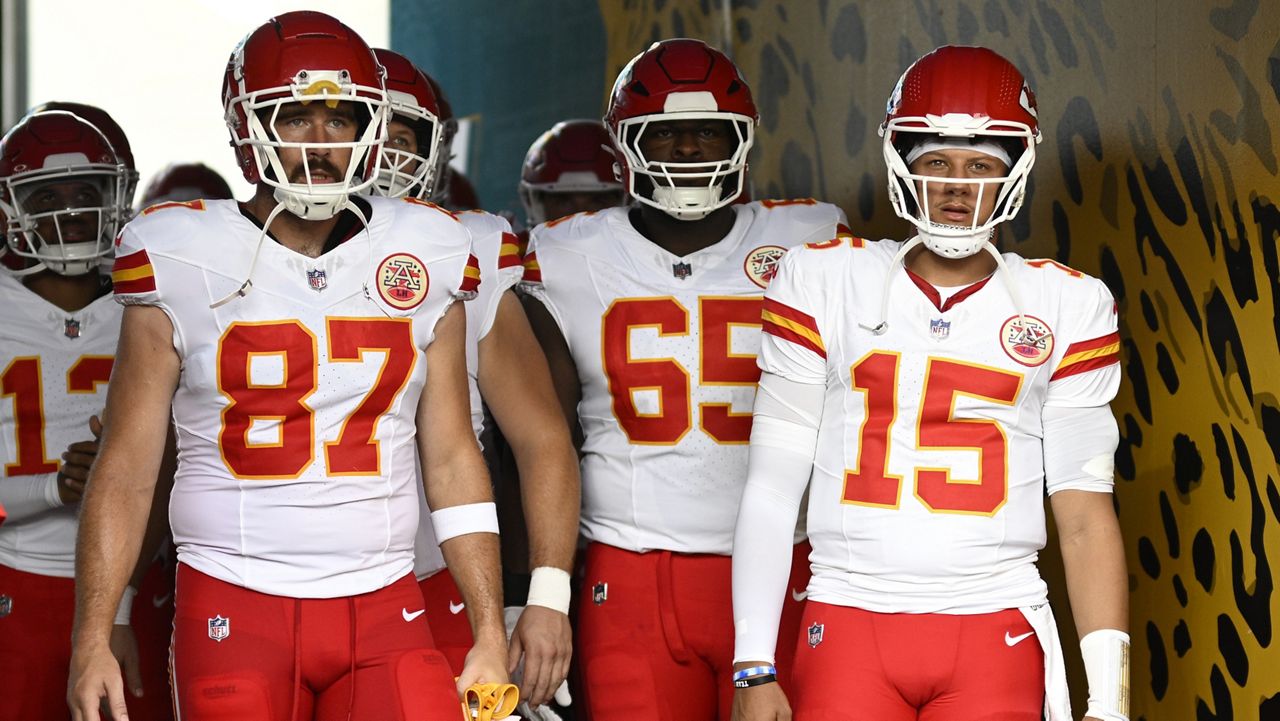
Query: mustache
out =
(313, 165)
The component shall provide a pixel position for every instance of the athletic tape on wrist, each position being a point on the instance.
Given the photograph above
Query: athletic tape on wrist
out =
(1106, 664)
(124, 611)
(457, 521)
(549, 588)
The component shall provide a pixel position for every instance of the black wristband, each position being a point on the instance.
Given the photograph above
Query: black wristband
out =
(755, 681)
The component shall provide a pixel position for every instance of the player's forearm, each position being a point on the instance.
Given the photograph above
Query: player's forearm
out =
(112, 524)
(473, 562)
(1097, 580)
(158, 518)
(551, 494)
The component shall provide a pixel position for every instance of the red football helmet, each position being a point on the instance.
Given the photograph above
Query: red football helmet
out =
(461, 194)
(60, 181)
(180, 182)
(106, 125)
(300, 57)
(673, 80)
(956, 97)
(575, 156)
(439, 181)
(412, 101)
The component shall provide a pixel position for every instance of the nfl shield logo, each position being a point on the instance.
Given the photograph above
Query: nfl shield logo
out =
(815, 635)
(219, 628)
(681, 270)
(6, 606)
(939, 329)
(317, 280)
(600, 593)
(72, 328)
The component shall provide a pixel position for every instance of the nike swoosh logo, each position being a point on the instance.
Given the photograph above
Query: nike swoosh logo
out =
(1015, 640)
(455, 610)
(159, 601)
(410, 616)
(799, 596)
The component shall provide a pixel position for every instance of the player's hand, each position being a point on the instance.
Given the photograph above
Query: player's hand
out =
(486, 662)
(124, 646)
(95, 678)
(74, 471)
(545, 639)
(761, 703)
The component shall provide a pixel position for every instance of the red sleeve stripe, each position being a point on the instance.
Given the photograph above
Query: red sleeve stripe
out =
(788, 333)
(509, 253)
(532, 271)
(132, 273)
(783, 321)
(471, 276)
(1089, 355)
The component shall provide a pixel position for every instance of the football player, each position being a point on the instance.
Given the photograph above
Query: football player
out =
(181, 182)
(569, 169)
(926, 394)
(302, 340)
(650, 317)
(506, 368)
(60, 189)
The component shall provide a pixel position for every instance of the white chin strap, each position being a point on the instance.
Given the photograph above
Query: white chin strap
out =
(950, 241)
(311, 207)
(685, 203)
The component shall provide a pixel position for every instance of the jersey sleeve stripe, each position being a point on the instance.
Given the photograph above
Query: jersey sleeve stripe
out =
(796, 317)
(532, 271)
(784, 329)
(509, 252)
(471, 276)
(133, 273)
(1089, 355)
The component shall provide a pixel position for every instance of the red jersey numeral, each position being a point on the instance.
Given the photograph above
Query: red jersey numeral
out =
(938, 428)
(22, 380)
(284, 403)
(718, 365)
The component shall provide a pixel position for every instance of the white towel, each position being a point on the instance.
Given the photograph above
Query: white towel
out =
(1057, 700)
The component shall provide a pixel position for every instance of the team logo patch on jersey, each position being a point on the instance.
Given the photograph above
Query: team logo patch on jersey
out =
(6, 606)
(600, 593)
(219, 628)
(1030, 346)
(762, 264)
(939, 329)
(681, 270)
(71, 328)
(317, 279)
(402, 281)
(815, 635)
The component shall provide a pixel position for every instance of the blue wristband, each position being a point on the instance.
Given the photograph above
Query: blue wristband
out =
(754, 671)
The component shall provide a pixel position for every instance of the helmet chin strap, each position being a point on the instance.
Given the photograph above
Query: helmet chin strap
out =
(309, 207)
(686, 203)
(244, 288)
(949, 244)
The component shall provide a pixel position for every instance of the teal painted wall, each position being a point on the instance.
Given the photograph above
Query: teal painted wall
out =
(515, 67)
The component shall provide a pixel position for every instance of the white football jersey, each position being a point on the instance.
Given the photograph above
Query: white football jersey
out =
(665, 348)
(497, 251)
(54, 367)
(296, 406)
(928, 486)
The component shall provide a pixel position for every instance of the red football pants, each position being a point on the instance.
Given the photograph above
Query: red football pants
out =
(35, 646)
(655, 633)
(855, 665)
(247, 656)
(447, 618)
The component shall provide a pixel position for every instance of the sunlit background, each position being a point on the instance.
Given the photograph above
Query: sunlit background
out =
(157, 66)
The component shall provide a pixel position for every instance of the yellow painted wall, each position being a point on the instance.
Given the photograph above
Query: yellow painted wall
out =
(1158, 173)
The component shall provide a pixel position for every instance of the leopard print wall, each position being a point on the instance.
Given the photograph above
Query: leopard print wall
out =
(1158, 173)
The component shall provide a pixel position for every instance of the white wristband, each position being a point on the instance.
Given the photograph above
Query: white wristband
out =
(1106, 664)
(124, 611)
(549, 588)
(457, 521)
